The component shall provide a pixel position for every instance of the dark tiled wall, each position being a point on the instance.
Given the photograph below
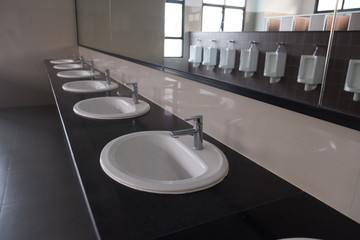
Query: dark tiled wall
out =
(297, 44)
(346, 46)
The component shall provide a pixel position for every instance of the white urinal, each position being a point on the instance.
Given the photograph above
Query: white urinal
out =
(195, 53)
(352, 82)
(210, 56)
(311, 71)
(249, 60)
(227, 58)
(275, 66)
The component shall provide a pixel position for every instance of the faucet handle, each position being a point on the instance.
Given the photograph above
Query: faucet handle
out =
(198, 119)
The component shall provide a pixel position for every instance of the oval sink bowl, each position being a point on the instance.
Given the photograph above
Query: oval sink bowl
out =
(89, 86)
(68, 66)
(77, 74)
(63, 61)
(110, 108)
(155, 162)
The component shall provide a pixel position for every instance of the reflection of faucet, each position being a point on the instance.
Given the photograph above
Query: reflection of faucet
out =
(92, 69)
(82, 62)
(106, 75)
(134, 92)
(196, 131)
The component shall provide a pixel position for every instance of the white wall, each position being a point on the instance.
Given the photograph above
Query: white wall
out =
(256, 10)
(289, 7)
(32, 31)
(131, 28)
(255, 5)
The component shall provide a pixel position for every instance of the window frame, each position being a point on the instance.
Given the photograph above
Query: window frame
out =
(223, 7)
(339, 10)
(181, 2)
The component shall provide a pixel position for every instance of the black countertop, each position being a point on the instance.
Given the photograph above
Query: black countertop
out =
(250, 203)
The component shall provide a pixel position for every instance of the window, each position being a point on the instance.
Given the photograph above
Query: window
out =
(174, 30)
(344, 5)
(223, 15)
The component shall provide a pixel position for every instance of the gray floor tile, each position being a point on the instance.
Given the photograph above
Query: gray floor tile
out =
(36, 183)
(6, 148)
(32, 136)
(61, 218)
(4, 162)
(40, 195)
(44, 156)
(3, 177)
(38, 125)
(8, 129)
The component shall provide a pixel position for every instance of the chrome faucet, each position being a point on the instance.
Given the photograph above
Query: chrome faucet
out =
(107, 77)
(134, 92)
(196, 131)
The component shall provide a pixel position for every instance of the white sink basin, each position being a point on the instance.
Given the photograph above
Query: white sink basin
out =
(110, 108)
(155, 162)
(63, 61)
(68, 66)
(89, 86)
(77, 74)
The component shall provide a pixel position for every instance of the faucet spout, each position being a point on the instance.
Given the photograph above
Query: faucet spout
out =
(92, 68)
(177, 133)
(134, 92)
(196, 131)
(107, 77)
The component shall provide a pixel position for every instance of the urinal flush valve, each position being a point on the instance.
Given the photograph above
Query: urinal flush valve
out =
(275, 63)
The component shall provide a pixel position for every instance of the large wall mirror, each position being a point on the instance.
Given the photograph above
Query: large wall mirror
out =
(161, 32)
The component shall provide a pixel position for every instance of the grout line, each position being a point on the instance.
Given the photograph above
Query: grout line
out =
(10, 160)
(357, 187)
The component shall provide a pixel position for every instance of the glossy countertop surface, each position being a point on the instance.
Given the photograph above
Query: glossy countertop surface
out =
(249, 202)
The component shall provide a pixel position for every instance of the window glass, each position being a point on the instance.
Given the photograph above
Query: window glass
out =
(328, 5)
(212, 17)
(351, 4)
(173, 47)
(173, 20)
(233, 20)
(235, 3)
(219, 2)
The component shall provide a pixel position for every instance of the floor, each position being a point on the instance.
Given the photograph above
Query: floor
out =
(40, 194)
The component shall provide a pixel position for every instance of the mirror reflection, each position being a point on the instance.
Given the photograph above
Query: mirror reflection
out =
(158, 33)
(162, 31)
